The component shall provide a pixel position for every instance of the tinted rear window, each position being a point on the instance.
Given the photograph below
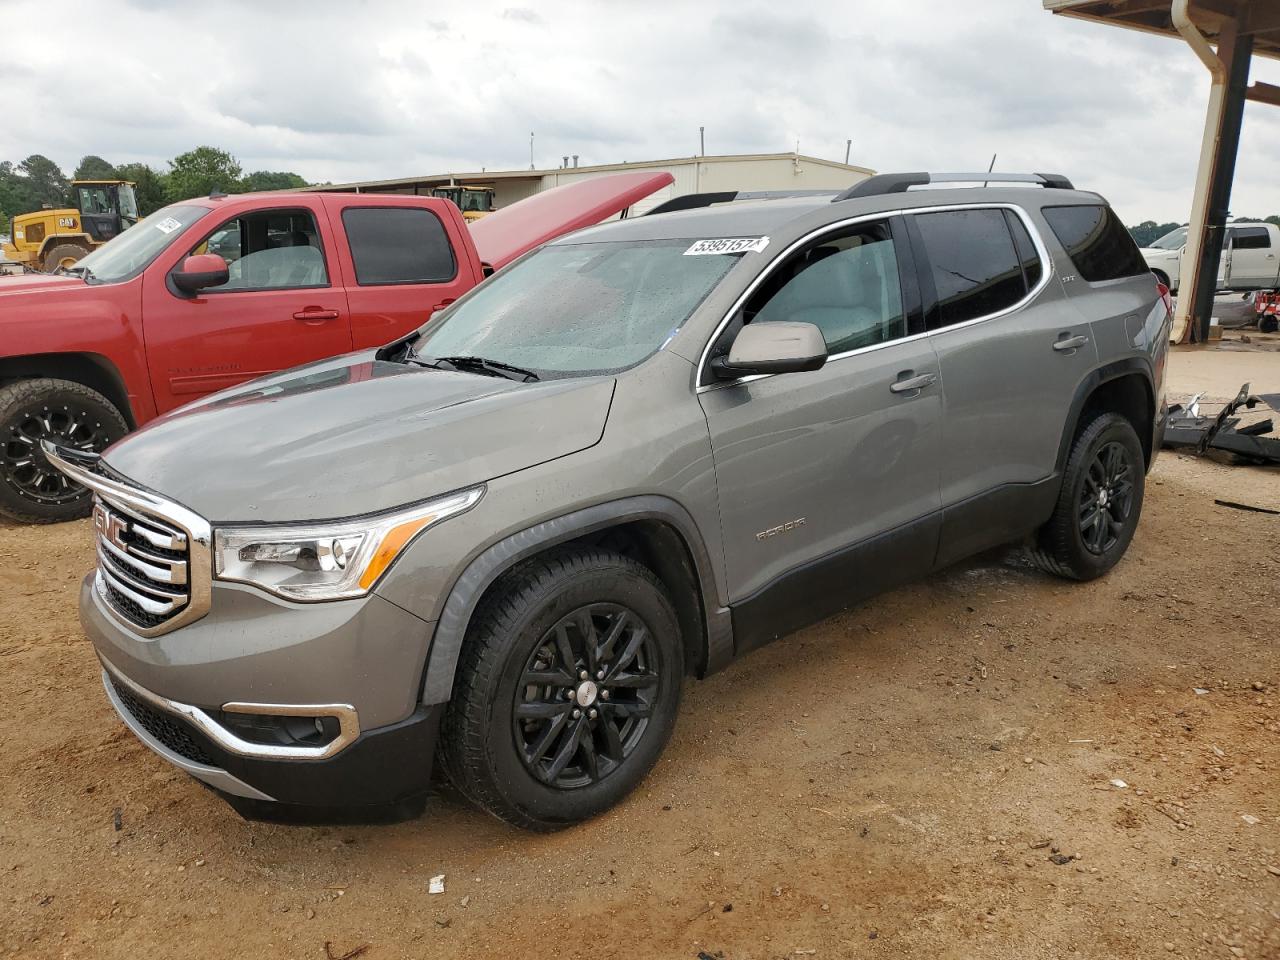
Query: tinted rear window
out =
(1097, 242)
(398, 245)
(976, 270)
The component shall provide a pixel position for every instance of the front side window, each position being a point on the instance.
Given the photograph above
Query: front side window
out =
(398, 245)
(847, 285)
(1097, 242)
(1250, 238)
(579, 308)
(975, 267)
(132, 251)
(269, 250)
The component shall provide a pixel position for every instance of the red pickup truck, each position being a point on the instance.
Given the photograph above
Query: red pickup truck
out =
(211, 292)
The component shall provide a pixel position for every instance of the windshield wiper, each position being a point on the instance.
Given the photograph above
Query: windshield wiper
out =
(493, 368)
(76, 271)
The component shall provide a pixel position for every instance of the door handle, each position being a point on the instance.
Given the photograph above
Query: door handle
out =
(910, 383)
(1069, 344)
(315, 315)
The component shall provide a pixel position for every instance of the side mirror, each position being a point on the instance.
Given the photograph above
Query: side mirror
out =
(200, 271)
(772, 348)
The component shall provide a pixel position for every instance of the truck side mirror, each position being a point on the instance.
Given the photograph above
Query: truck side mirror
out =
(200, 271)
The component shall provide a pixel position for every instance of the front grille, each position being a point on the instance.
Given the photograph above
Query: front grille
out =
(172, 731)
(144, 569)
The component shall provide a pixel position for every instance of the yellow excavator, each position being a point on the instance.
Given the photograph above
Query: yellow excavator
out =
(48, 239)
(474, 202)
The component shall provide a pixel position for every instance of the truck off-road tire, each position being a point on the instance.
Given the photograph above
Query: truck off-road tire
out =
(67, 413)
(63, 255)
(567, 689)
(1269, 324)
(1099, 504)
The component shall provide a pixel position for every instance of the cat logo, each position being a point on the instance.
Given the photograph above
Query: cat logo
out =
(781, 528)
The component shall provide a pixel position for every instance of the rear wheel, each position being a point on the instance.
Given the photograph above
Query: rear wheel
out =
(1099, 504)
(1269, 323)
(68, 414)
(64, 255)
(567, 689)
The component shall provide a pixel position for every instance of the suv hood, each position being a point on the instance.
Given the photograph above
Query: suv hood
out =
(356, 435)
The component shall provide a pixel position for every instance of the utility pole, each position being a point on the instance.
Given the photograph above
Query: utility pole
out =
(702, 141)
(848, 145)
(531, 167)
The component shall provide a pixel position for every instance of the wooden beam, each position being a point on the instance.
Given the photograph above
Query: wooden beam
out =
(1260, 92)
(1262, 18)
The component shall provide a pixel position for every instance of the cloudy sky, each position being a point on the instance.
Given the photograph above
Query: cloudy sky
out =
(364, 89)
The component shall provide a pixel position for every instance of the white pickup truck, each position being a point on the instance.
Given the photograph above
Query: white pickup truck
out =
(1250, 257)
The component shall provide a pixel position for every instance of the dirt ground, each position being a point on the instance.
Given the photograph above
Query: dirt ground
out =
(991, 763)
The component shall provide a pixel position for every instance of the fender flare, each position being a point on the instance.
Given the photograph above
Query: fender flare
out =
(1094, 379)
(481, 572)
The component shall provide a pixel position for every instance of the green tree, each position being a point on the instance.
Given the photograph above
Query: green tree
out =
(94, 168)
(271, 180)
(149, 185)
(45, 181)
(1149, 231)
(199, 172)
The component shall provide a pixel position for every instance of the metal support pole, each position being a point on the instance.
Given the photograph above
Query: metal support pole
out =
(1206, 231)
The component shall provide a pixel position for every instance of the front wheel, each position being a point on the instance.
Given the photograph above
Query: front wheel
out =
(68, 414)
(567, 689)
(1099, 504)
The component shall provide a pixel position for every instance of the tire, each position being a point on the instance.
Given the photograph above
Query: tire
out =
(1268, 324)
(68, 413)
(496, 719)
(71, 252)
(1105, 457)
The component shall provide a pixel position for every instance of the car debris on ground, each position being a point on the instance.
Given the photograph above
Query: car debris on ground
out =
(1256, 442)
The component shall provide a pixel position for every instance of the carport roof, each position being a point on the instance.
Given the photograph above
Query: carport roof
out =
(1153, 16)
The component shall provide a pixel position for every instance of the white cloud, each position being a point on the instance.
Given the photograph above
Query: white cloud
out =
(384, 88)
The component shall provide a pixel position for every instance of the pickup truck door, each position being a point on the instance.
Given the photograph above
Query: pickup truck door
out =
(1252, 262)
(281, 308)
(401, 259)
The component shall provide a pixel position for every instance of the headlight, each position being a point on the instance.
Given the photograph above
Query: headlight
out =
(327, 560)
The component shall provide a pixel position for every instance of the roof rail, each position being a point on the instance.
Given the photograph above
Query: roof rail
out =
(692, 201)
(883, 183)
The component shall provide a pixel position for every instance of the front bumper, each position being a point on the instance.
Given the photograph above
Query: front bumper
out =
(389, 766)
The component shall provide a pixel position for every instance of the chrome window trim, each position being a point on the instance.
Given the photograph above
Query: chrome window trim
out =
(80, 467)
(1046, 274)
(348, 721)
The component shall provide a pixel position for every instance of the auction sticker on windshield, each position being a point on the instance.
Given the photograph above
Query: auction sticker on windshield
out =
(168, 225)
(728, 245)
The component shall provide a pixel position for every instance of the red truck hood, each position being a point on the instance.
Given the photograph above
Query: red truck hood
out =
(22, 282)
(515, 230)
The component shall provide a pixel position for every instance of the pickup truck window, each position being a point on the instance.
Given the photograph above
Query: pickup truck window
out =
(268, 250)
(398, 245)
(577, 309)
(1250, 238)
(1173, 240)
(132, 251)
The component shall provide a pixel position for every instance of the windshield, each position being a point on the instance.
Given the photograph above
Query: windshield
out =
(573, 309)
(1172, 240)
(128, 254)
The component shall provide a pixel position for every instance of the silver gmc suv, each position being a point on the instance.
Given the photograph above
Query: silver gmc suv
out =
(635, 454)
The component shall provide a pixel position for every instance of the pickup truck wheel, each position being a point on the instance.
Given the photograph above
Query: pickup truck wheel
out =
(567, 689)
(1099, 504)
(1268, 324)
(64, 255)
(70, 414)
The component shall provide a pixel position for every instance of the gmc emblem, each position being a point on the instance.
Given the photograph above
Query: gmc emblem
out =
(109, 526)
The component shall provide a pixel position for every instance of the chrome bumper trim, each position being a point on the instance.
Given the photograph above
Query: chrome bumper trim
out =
(348, 722)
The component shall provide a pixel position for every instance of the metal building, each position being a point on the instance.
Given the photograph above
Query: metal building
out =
(1240, 29)
(701, 174)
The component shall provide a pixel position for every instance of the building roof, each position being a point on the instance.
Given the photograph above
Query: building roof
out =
(1262, 17)
(486, 176)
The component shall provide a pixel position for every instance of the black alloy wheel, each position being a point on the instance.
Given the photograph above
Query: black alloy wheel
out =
(586, 695)
(1106, 499)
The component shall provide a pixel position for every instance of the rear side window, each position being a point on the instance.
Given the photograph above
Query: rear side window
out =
(976, 269)
(398, 245)
(1097, 242)
(1250, 238)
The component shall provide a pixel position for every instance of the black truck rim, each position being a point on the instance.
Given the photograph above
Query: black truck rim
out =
(586, 696)
(23, 464)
